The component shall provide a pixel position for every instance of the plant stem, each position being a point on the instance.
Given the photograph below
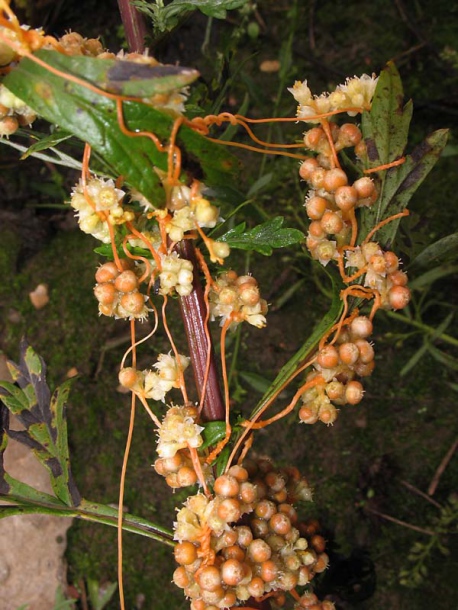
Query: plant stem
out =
(134, 26)
(194, 313)
(89, 511)
(424, 327)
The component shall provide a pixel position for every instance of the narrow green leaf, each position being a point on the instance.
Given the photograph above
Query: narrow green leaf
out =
(426, 279)
(57, 137)
(288, 369)
(263, 238)
(257, 382)
(13, 489)
(213, 432)
(445, 359)
(437, 251)
(100, 596)
(386, 126)
(398, 186)
(414, 359)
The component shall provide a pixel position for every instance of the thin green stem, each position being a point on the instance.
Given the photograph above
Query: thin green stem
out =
(424, 327)
(89, 511)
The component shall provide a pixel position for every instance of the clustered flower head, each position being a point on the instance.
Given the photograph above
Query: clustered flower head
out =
(176, 275)
(337, 368)
(246, 539)
(155, 384)
(331, 200)
(382, 273)
(237, 298)
(97, 205)
(355, 94)
(117, 291)
(178, 431)
(14, 113)
(189, 209)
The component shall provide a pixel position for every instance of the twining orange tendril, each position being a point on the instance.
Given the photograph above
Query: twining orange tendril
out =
(208, 284)
(136, 257)
(220, 446)
(147, 243)
(318, 380)
(351, 215)
(343, 321)
(175, 351)
(268, 403)
(385, 222)
(381, 168)
(123, 476)
(198, 469)
(327, 131)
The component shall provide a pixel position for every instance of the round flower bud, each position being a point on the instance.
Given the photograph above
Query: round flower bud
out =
(328, 357)
(308, 166)
(106, 273)
(334, 178)
(399, 297)
(133, 303)
(354, 393)
(126, 281)
(361, 327)
(316, 207)
(105, 293)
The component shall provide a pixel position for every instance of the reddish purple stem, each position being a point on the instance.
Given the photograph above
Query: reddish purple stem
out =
(134, 26)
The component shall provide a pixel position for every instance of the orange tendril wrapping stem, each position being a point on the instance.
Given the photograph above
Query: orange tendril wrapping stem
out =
(195, 315)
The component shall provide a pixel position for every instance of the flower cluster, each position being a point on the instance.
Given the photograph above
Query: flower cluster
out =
(117, 291)
(97, 205)
(237, 298)
(331, 201)
(176, 275)
(382, 273)
(353, 96)
(14, 113)
(178, 431)
(155, 384)
(337, 367)
(224, 561)
(189, 209)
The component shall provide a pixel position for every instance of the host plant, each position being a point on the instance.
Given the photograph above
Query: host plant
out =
(154, 198)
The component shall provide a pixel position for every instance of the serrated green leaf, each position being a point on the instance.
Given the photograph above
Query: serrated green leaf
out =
(92, 117)
(437, 251)
(263, 238)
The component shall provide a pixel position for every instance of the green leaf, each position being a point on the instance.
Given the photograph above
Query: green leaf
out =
(399, 184)
(257, 382)
(46, 142)
(426, 279)
(386, 126)
(214, 431)
(100, 596)
(262, 238)
(437, 251)
(167, 17)
(43, 417)
(445, 359)
(92, 116)
(385, 129)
